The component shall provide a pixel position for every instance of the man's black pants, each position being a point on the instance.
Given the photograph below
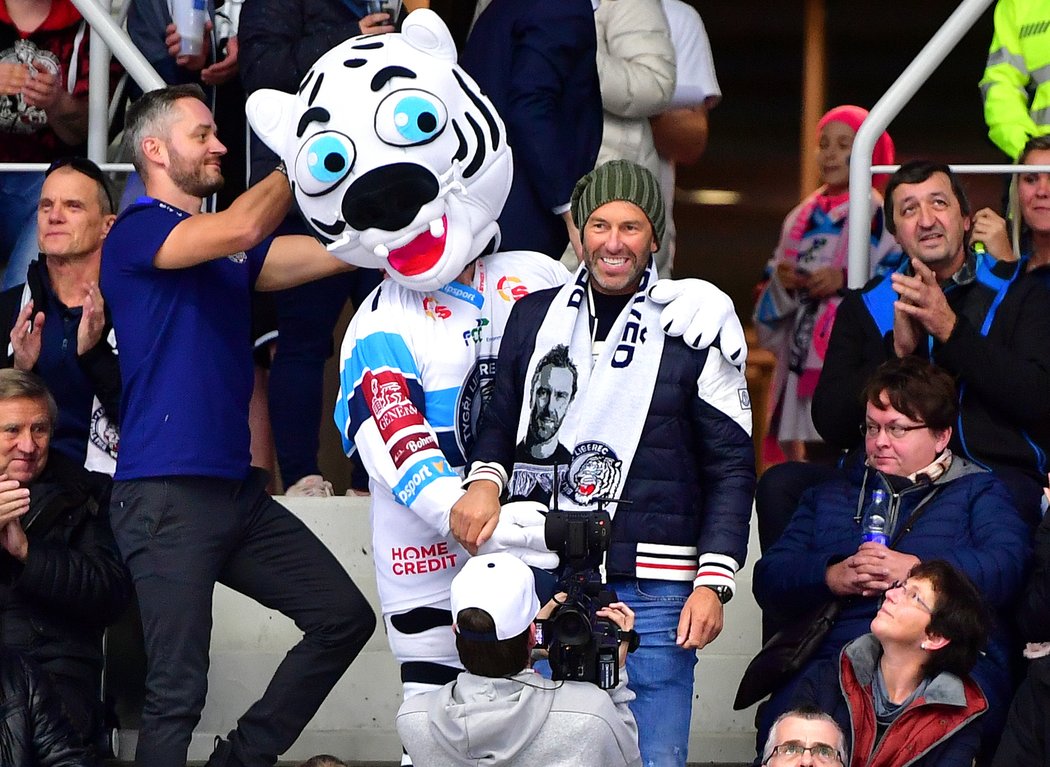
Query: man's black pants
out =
(181, 535)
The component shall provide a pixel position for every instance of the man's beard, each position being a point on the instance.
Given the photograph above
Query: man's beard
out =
(191, 178)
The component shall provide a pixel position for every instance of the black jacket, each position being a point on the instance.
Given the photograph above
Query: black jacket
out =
(55, 605)
(1003, 376)
(1027, 736)
(33, 730)
(692, 479)
(279, 41)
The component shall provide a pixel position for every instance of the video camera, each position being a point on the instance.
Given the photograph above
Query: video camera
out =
(581, 646)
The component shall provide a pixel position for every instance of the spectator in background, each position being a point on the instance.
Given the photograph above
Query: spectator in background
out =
(971, 316)
(1030, 228)
(1026, 739)
(43, 112)
(323, 760)
(806, 278)
(1015, 86)
(904, 692)
(215, 69)
(803, 731)
(61, 578)
(680, 132)
(535, 60)
(636, 68)
(941, 506)
(58, 324)
(279, 42)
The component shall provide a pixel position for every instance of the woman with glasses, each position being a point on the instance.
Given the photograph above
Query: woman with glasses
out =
(903, 692)
(939, 506)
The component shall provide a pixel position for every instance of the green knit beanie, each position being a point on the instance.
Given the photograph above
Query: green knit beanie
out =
(619, 180)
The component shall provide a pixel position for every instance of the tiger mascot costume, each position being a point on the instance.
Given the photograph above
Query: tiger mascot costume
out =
(397, 161)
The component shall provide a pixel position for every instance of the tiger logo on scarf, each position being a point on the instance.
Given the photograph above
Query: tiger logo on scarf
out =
(396, 159)
(594, 473)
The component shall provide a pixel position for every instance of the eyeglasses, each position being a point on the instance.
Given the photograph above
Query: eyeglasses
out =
(912, 595)
(792, 752)
(894, 430)
(87, 168)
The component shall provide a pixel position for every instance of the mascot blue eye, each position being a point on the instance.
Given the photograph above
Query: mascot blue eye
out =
(410, 117)
(323, 162)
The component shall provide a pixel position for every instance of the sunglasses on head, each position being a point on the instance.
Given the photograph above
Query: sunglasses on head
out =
(88, 168)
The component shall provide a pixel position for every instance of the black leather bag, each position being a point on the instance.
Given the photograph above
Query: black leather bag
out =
(785, 653)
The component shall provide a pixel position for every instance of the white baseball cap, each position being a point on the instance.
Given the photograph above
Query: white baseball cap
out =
(501, 585)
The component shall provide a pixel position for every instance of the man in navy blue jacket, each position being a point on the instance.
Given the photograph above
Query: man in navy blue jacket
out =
(654, 424)
(535, 60)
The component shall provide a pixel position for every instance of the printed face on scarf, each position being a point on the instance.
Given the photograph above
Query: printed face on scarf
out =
(915, 449)
(1033, 192)
(617, 244)
(551, 396)
(25, 436)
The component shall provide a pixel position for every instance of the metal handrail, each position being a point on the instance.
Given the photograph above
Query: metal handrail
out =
(117, 40)
(887, 108)
(107, 35)
(977, 169)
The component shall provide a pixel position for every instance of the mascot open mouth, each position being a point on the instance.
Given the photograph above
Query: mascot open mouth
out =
(421, 254)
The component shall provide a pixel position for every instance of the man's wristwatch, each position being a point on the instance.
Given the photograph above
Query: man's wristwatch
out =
(724, 593)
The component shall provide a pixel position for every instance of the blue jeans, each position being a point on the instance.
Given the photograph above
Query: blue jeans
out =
(659, 672)
(20, 193)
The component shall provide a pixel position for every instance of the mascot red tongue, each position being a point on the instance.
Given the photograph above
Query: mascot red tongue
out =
(385, 138)
(420, 255)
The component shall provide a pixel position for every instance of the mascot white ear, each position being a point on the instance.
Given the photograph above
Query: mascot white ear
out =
(270, 114)
(426, 32)
(396, 159)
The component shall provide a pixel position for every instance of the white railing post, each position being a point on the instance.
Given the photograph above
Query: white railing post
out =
(98, 93)
(120, 44)
(888, 107)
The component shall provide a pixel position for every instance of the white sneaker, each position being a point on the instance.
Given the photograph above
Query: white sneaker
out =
(311, 486)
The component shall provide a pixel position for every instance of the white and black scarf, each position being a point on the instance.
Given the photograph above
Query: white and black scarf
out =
(604, 422)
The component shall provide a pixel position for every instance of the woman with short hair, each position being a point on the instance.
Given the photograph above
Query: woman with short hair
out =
(903, 693)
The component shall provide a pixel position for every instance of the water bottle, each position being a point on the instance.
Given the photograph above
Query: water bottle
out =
(873, 524)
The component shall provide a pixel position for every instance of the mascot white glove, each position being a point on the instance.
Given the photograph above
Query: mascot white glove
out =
(699, 312)
(520, 532)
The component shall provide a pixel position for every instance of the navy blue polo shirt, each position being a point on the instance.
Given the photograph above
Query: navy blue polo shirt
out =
(59, 366)
(185, 350)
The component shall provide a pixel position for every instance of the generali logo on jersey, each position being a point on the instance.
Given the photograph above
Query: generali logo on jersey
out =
(388, 400)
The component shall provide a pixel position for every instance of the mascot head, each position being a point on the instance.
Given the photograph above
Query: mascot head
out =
(396, 159)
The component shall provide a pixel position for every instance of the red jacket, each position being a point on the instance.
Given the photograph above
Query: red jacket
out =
(936, 730)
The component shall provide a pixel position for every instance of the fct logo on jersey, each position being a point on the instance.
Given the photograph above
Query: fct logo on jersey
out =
(434, 310)
(511, 288)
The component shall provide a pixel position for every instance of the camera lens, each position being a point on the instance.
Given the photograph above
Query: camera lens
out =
(571, 627)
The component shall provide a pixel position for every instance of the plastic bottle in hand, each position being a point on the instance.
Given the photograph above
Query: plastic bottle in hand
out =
(873, 525)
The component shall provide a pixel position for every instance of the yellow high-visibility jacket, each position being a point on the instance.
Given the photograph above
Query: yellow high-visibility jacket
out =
(1016, 82)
